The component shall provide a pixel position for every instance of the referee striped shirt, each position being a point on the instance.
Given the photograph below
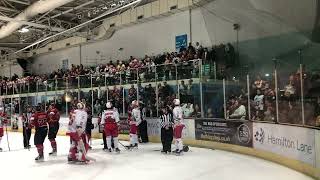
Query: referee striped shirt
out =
(166, 120)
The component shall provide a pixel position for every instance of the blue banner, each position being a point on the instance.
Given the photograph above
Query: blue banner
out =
(181, 42)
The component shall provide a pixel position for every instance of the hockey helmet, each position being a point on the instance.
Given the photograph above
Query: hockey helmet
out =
(176, 102)
(1, 109)
(80, 105)
(109, 105)
(38, 108)
(52, 105)
(135, 103)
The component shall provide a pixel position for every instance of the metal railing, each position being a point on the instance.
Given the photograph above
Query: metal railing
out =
(268, 98)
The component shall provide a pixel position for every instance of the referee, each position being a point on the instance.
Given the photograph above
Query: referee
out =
(166, 130)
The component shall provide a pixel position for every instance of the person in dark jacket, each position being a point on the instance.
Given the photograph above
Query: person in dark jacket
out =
(89, 125)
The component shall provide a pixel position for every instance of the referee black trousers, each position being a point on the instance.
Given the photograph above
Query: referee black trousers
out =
(26, 136)
(166, 139)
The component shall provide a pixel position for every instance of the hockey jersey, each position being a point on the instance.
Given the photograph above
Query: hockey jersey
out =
(3, 119)
(39, 119)
(177, 115)
(53, 115)
(110, 117)
(136, 116)
(26, 119)
(80, 118)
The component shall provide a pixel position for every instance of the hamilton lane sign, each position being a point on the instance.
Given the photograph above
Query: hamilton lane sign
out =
(293, 142)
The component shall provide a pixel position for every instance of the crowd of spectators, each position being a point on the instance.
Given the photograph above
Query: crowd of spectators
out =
(263, 100)
(170, 66)
(130, 71)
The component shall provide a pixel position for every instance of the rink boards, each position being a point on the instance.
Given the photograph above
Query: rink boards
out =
(294, 147)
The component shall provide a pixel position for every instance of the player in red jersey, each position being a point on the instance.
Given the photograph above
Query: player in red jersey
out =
(39, 120)
(110, 119)
(3, 121)
(53, 120)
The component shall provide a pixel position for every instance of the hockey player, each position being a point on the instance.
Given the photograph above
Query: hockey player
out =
(3, 121)
(39, 120)
(53, 117)
(76, 130)
(26, 127)
(178, 126)
(134, 121)
(110, 119)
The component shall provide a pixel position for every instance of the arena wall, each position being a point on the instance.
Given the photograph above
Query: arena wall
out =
(11, 70)
(46, 63)
(268, 29)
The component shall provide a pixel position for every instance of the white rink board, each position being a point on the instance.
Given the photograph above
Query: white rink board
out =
(318, 148)
(293, 142)
(154, 128)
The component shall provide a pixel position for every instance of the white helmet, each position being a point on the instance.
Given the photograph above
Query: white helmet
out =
(1, 109)
(176, 102)
(80, 105)
(109, 105)
(135, 103)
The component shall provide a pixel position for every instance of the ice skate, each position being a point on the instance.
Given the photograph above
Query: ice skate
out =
(179, 152)
(1, 150)
(117, 151)
(40, 158)
(53, 153)
(135, 146)
(70, 160)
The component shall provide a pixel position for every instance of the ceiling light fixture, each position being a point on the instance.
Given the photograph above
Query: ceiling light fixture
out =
(23, 30)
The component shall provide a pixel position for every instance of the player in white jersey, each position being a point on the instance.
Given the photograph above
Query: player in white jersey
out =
(134, 121)
(178, 126)
(110, 119)
(76, 130)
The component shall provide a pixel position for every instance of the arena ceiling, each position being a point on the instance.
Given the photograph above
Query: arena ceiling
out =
(41, 25)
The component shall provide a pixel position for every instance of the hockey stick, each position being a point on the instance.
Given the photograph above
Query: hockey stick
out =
(7, 138)
(126, 147)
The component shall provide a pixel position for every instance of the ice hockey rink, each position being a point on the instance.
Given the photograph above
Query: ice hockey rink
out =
(143, 164)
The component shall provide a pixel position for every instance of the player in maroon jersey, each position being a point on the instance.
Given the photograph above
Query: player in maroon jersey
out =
(53, 120)
(39, 120)
(3, 121)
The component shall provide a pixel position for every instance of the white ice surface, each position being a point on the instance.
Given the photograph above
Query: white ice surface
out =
(142, 164)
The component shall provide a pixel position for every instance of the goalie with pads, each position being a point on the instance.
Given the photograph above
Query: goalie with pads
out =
(76, 130)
